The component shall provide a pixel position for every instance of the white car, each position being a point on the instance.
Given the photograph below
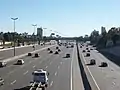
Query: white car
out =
(40, 76)
(20, 61)
(2, 64)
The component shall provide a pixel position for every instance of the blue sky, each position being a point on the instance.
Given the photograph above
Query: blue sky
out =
(69, 17)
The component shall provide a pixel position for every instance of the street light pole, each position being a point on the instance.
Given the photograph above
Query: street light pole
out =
(34, 25)
(14, 33)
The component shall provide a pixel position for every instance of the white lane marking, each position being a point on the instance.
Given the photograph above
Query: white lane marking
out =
(25, 72)
(46, 67)
(34, 66)
(22, 66)
(11, 72)
(55, 73)
(51, 83)
(50, 62)
(58, 67)
(71, 83)
(13, 82)
(91, 75)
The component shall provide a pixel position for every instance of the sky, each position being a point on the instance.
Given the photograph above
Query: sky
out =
(68, 17)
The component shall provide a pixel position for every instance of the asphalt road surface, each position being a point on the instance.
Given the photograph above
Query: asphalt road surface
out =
(105, 78)
(4, 54)
(19, 76)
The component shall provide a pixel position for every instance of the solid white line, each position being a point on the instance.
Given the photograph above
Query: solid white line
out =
(46, 67)
(58, 67)
(55, 73)
(34, 66)
(71, 83)
(51, 83)
(25, 72)
(91, 75)
(13, 82)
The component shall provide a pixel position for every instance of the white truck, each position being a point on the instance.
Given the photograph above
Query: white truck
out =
(40, 79)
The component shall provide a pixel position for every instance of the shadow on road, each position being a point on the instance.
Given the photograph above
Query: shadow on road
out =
(23, 88)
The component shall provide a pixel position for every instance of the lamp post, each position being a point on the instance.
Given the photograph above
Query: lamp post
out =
(34, 25)
(14, 19)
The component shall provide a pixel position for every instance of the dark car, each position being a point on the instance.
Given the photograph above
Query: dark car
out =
(80, 46)
(91, 48)
(88, 50)
(67, 55)
(1, 81)
(48, 49)
(83, 51)
(29, 54)
(92, 62)
(59, 50)
(72, 46)
(36, 54)
(2, 64)
(57, 47)
(56, 52)
(87, 54)
(51, 51)
(103, 64)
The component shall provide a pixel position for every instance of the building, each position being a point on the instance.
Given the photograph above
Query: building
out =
(103, 30)
(39, 33)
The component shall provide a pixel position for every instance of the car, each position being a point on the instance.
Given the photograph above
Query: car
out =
(51, 51)
(83, 51)
(67, 55)
(88, 50)
(92, 62)
(20, 61)
(80, 46)
(29, 54)
(56, 52)
(41, 76)
(67, 47)
(57, 47)
(59, 50)
(48, 49)
(2, 64)
(103, 64)
(2, 47)
(1, 81)
(87, 54)
(36, 54)
(91, 48)
(72, 46)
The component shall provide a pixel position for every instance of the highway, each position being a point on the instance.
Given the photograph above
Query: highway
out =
(7, 53)
(18, 77)
(104, 78)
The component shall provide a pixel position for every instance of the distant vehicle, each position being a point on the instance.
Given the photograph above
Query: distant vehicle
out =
(88, 50)
(72, 46)
(48, 49)
(91, 48)
(2, 47)
(51, 51)
(92, 62)
(67, 55)
(1, 81)
(2, 64)
(57, 47)
(83, 51)
(80, 46)
(56, 52)
(59, 50)
(37, 55)
(29, 54)
(40, 76)
(87, 54)
(103, 64)
(67, 47)
(20, 61)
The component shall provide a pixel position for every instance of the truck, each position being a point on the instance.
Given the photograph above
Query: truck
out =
(40, 79)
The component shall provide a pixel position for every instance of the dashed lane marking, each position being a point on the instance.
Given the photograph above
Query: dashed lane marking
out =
(13, 82)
